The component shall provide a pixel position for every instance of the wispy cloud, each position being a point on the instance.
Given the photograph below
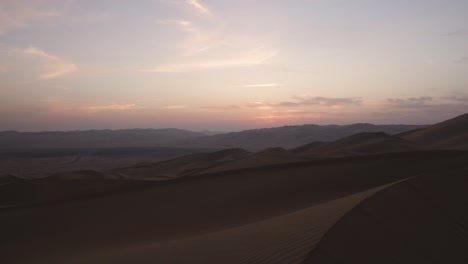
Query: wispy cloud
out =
(21, 14)
(53, 66)
(325, 101)
(424, 107)
(109, 107)
(199, 7)
(410, 102)
(457, 97)
(184, 24)
(207, 46)
(462, 60)
(176, 107)
(251, 58)
(458, 32)
(297, 101)
(197, 40)
(66, 105)
(260, 85)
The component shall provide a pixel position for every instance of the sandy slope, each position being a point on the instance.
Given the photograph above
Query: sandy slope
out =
(23, 193)
(178, 167)
(282, 239)
(450, 134)
(6, 179)
(422, 220)
(211, 209)
(358, 144)
(266, 157)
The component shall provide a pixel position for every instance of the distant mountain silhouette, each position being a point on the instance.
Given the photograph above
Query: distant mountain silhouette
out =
(291, 136)
(358, 144)
(94, 138)
(256, 139)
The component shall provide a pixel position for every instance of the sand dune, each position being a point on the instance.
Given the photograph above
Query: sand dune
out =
(422, 220)
(266, 157)
(307, 147)
(450, 134)
(294, 234)
(200, 209)
(81, 175)
(358, 144)
(24, 193)
(178, 167)
(39, 163)
(9, 179)
(367, 198)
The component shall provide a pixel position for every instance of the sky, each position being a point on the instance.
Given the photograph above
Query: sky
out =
(229, 65)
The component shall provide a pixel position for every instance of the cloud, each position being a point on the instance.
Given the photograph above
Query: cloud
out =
(423, 109)
(290, 114)
(3, 68)
(250, 58)
(410, 102)
(458, 32)
(462, 60)
(460, 98)
(199, 7)
(176, 107)
(184, 24)
(21, 14)
(297, 101)
(260, 85)
(109, 107)
(323, 101)
(53, 66)
(207, 46)
(197, 40)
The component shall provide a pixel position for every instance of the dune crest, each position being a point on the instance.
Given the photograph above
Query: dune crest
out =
(421, 220)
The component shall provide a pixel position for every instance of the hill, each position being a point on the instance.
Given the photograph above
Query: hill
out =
(358, 144)
(450, 134)
(291, 136)
(256, 139)
(93, 138)
(178, 167)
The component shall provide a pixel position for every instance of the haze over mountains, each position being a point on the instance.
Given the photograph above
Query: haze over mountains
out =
(365, 198)
(94, 138)
(288, 136)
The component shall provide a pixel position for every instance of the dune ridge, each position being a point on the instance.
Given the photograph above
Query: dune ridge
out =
(253, 243)
(449, 134)
(358, 144)
(421, 220)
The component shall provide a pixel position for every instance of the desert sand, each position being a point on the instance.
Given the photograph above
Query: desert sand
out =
(368, 198)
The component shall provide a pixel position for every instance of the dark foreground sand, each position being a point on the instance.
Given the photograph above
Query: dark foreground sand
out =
(421, 220)
(270, 214)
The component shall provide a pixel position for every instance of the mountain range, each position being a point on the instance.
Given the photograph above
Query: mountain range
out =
(256, 139)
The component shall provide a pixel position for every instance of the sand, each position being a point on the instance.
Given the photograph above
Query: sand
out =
(368, 198)
(279, 208)
(422, 220)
